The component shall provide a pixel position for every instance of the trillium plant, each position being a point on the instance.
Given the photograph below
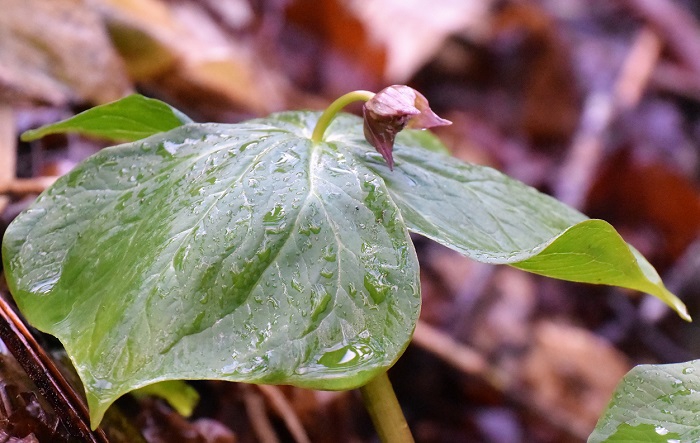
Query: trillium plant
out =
(276, 250)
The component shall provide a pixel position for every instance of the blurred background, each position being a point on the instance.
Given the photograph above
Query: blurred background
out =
(596, 102)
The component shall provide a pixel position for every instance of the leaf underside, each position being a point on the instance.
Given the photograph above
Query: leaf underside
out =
(653, 403)
(245, 253)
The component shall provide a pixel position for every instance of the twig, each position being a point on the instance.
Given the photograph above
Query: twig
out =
(600, 110)
(452, 352)
(677, 80)
(676, 25)
(637, 69)
(255, 407)
(280, 404)
(42, 371)
(8, 146)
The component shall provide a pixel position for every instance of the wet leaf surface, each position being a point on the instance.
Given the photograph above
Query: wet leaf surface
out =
(262, 260)
(654, 403)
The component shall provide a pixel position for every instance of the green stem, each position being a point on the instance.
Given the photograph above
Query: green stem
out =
(329, 114)
(385, 411)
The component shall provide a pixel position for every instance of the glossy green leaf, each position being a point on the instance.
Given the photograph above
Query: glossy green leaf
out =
(654, 403)
(593, 252)
(129, 119)
(233, 252)
(245, 252)
(492, 218)
(179, 395)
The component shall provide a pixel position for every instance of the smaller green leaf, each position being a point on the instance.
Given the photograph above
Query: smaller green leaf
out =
(179, 395)
(593, 252)
(128, 119)
(653, 403)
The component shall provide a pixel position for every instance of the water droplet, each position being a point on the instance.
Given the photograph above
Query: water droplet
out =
(347, 356)
(297, 286)
(274, 216)
(376, 288)
(320, 299)
(688, 370)
(170, 147)
(329, 254)
(661, 430)
(100, 384)
(43, 287)
(264, 255)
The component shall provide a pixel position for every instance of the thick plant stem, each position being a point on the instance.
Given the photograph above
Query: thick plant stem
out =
(331, 111)
(385, 411)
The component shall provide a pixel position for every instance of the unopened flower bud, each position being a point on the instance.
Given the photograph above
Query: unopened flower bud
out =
(393, 109)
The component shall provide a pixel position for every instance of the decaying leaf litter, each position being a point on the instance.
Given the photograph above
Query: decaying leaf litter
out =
(540, 91)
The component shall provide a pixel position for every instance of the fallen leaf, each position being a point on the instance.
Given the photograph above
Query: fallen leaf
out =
(572, 371)
(180, 50)
(57, 52)
(412, 31)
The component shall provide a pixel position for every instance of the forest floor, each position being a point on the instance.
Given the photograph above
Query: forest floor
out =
(594, 102)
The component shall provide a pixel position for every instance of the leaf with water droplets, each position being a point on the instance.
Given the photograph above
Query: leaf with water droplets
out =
(653, 403)
(492, 218)
(233, 252)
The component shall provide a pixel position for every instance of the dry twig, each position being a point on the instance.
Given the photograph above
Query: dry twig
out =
(679, 30)
(282, 407)
(42, 371)
(599, 112)
(8, 146)
(446, 348)
(255, 407)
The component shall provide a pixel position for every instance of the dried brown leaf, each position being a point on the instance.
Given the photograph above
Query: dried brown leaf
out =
(413, 31)
(56, 52)
(179, 48)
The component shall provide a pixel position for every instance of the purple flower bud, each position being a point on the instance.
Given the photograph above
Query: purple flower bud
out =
(393, 109)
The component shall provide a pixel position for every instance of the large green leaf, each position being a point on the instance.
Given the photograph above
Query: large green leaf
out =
(245, 252)
(235, 252)
(654, 403)
(492, 218)
(129, 119)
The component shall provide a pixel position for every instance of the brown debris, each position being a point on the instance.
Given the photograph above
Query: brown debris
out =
(57, 52)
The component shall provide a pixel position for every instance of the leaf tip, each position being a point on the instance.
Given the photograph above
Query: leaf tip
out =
(30, 135)
(683, 313)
